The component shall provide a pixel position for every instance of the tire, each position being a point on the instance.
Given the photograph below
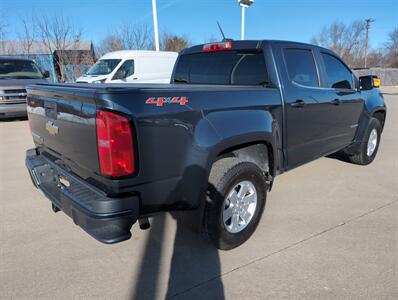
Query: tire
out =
(363, 157)
(227, 174)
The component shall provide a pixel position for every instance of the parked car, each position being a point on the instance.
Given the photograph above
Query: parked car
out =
(237, 114)
(132, 66)
(15, 74)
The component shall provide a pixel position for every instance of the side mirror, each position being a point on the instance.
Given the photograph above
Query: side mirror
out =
(46, 74)
(369, 82)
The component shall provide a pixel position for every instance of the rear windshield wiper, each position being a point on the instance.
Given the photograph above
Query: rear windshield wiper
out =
(27, 77)
(180, 80)
(266, 84)
(20, 77)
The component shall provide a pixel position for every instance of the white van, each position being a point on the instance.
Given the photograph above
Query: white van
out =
(128, 66)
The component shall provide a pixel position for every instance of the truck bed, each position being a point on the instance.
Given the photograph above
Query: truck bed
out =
(168, 138)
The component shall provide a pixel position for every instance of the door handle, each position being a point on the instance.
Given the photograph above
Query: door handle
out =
(336, 102)
(298, 103)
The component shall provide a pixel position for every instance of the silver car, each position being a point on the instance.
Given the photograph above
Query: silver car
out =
(15, 75)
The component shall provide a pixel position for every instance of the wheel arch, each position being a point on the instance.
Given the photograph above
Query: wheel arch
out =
(258, 151)
(380, 114)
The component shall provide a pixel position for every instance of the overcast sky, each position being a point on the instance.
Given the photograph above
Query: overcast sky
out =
(296, 20)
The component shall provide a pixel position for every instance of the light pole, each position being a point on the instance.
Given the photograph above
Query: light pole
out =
(155, 24)
(244, 4)
(368, 21)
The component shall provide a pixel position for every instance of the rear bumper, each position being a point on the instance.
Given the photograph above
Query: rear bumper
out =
(108, 220)
(12, 110)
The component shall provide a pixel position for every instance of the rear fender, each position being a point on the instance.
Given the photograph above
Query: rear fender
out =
(215, 134)
(239, 128)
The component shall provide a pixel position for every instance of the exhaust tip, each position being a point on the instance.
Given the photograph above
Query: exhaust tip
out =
(144, 223)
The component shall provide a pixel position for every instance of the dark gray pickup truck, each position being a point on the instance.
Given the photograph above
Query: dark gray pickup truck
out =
(236, 114)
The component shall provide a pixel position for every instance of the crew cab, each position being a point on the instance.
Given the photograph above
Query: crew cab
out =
(235, 115)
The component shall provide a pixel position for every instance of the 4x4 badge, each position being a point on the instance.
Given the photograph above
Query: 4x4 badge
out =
(159, 101)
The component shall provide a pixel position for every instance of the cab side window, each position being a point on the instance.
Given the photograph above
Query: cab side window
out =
(250, 69)
(125, 70)
(338, 76)
(301, 67)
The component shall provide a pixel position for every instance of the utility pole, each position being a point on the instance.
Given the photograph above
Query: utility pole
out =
(244, 4)
(368, 21)
(155, 24)
(242, 32)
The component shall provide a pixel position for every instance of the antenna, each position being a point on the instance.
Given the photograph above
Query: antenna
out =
(222, 33)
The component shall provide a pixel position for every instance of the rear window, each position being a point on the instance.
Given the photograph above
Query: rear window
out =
(224, 67)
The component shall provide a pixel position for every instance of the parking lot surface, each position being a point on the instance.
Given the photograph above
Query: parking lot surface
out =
(329, 231)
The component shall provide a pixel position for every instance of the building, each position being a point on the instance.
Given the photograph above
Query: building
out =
(63, 64)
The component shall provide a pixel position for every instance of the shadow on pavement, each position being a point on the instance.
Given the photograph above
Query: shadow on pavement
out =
(193, 261)
(339, 156)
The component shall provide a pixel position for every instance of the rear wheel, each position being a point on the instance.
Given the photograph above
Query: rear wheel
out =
(235, 201)
(369, 145)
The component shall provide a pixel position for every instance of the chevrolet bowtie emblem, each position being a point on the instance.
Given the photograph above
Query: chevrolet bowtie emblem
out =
(52, 128)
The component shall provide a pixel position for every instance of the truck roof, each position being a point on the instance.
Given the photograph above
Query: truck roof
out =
(294, 43)
(252, 44)
(123, 54)
(2, 58)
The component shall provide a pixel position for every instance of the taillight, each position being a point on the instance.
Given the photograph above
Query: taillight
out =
(115, 144)
(220, 46)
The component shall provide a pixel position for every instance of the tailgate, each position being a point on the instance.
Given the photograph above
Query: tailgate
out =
(63, 124)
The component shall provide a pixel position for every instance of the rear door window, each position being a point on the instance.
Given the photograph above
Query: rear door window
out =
(338, 76)
(249, 70)
(301, 67)
(222, 68)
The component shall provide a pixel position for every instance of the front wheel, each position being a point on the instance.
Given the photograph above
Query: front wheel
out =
(369, 145)
(235, 202)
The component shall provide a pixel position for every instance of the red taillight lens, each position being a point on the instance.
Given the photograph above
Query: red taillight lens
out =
(217, 46)
(115, 144)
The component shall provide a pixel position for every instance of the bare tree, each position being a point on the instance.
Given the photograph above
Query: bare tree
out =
(172, 42)
(3, 31)
(129, 36)
(346, 40)
(78, 64)
(28, 34)
(138, 37)
(111, 42)
(58, 35)
(3, 28)
(392, 49)
(376, 58)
